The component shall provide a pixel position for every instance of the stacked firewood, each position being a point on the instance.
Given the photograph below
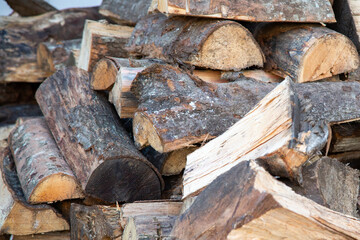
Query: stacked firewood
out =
(170, 119)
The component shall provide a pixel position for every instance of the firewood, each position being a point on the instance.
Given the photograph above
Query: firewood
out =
(91, 139)
(306, 52)
(100, 40)
(257, 74)
(222, 45)
(256, 11)
(173, 187)
(53, 56)
(248, 203)
(149, 227)
(16, 215)
(344, 137)
(30, 7)
(40, 165)
(125, 12)
(64, 235)
(10, 113)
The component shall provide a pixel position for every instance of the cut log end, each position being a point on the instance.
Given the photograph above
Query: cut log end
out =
(104, 75)
(176, 161)
(114, 180)
(229, 53)
(331, 55)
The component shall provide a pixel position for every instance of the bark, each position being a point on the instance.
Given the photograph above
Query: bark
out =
(90, 137)
(255, 11)
(40, 164)
(306, 52)
(17, 216)
(100, 40)
(28, 8)
(248, 203)
(223, 45)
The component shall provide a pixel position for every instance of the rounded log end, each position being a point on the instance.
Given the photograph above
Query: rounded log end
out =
(104, 75)
(330, 55)
(66, 188)
(124, 180)
(145, 133)
(236, 52)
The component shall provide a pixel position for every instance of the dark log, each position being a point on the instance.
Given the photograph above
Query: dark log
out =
(100, 40)
(344, 137)
(306, 52)
(28, 8)
(248, 203)
(223, 45)
(18, 217)
(10, 113)
(256, 11)
(43, 172)
(173, 187)
(90, 137)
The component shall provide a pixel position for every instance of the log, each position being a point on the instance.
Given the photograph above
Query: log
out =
(40, 164)
(173, 187)
(323, 182)
(100, 40)
(17, 216)
(91, 139)
(27, 8)
(53, 56)
(306, 52)
(149, 227)
(344, 137)
(248, 203)
(125, 12)
(196, 41)
(255, 11)
(64, 235)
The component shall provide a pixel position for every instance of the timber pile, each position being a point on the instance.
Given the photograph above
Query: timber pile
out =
(189, 125)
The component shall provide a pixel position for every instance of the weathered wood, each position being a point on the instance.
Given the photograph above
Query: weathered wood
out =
(256, 11)
(125, 12)
(90, 137)
(20, 36)
(64, 235)
(344, 137)
(149, 227)
(306, 52)
(30, 7)
(95, 222)
(43, 172)
(53, 56)
(248, 203)
(17, 216)
(223, 45)
(100, 40)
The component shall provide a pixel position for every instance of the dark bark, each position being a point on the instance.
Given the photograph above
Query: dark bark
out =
(28, 8)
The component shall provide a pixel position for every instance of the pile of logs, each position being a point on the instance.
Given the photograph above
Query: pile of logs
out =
(174, 119)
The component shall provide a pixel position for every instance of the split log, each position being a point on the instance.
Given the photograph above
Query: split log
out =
(223, 45)
(255, 11)
(53, 56)
(125, 12)
(17, 216)
(28, 8)
(306, 52)
(323, 182)
(91, 139)
(40, 165)
(100, 40)
(149, 227)
(248, 203)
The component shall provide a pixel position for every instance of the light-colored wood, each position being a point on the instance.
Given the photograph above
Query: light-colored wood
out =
(100, 40)
(267, 130)
(176, 161)
(4, 134)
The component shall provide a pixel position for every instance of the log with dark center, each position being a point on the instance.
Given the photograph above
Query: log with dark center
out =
(90, 137)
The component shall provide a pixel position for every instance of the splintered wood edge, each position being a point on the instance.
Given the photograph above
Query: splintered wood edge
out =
(241, 50)
(56, 187)
(129, 230)
(330, 55)
(104, 74)
(85, 48)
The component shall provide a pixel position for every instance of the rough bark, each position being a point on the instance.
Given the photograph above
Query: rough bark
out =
(100, 40)
(43, 172)
(53, 56)
(125, 12)
(248, 203)
(28, 8)
(223, 45)
(90, 137)
(306, 52)
(256, 11)
(17, 216)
